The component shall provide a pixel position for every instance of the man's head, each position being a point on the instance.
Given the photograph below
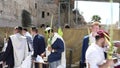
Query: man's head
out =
(49, 31)
(24, 31)
(18, 29)
(34, 30)
(95, 27)
(100, 37)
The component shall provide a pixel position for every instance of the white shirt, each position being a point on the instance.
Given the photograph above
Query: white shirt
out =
(95, 56)
(28, 34)
(29, 40)
(91, 39)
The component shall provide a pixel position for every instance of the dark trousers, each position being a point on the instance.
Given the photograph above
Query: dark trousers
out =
(0, 65)
(36, 65)
(82, 65)
(43, 66)
(10, 66)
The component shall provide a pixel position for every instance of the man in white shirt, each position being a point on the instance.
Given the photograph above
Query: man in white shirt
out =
(29, 38)
(87, 40)
(95, 53)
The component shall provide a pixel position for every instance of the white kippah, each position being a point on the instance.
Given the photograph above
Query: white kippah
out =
(48, 28)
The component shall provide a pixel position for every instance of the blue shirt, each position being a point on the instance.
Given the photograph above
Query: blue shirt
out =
(84, 48)
(58, 46)
(38, 45)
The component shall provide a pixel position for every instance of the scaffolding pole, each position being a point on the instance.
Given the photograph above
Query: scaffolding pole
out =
(119, 16)
(76, 11)
(59, 23)
(69, 13)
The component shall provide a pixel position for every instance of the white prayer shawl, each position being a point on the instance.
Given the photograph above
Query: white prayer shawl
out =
(63, 57)
(20, 48)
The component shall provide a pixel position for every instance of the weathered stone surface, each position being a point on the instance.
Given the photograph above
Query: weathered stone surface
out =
(10, 11)
(41, 12)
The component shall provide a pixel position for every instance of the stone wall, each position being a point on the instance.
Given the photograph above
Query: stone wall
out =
(46, 9)
(10, 11)
(41, 12)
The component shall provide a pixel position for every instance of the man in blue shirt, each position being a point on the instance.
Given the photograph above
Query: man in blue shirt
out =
(38, 44)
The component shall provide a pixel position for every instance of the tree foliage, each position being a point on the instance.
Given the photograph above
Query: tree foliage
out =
(96, 18)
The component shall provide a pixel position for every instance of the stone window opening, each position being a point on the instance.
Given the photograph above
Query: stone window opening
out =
(35, 5)
(48, 13)
(1, 11)
(43, 14)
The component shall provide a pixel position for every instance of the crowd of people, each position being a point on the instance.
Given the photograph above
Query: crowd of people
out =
(23, 48)
(94, 49)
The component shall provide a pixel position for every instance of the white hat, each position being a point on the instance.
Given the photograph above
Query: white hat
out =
(48, 28)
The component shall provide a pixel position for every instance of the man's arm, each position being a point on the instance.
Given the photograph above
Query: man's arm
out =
(60, 46)
(8, 50)
(94, 62)
(26, 48)
(84, 47)
(35, 46)
(93, 58)
(41, 45)
(107, 64)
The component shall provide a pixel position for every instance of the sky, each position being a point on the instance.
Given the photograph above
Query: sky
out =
(103, 9)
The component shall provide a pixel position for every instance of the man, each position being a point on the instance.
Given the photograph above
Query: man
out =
(38, 44)
(17, 49)
(95, 53)
(56, 46)
(29, 38)
(87, 41)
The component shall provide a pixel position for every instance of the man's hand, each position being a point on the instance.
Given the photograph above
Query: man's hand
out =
(1, 62)
(110, 62)
(49, 49)
(43, 54)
